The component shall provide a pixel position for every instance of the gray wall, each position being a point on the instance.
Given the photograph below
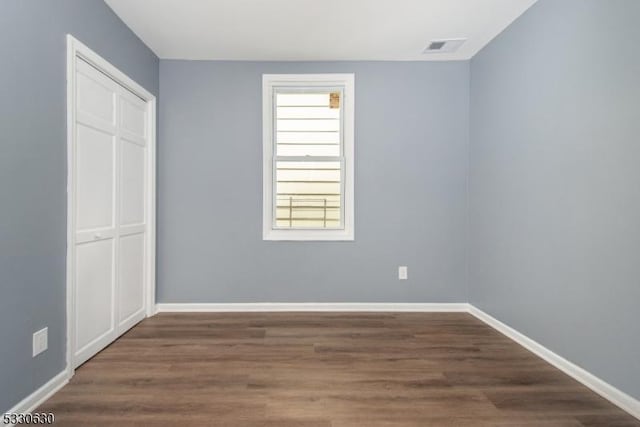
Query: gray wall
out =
(555, 182)
(411, 168)
(33, 171)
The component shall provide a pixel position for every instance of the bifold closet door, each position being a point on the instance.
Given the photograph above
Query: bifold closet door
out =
(110, 153)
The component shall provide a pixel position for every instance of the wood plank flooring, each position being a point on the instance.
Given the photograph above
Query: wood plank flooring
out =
(324, 370)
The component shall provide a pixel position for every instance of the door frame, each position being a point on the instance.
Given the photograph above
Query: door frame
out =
(76, 49)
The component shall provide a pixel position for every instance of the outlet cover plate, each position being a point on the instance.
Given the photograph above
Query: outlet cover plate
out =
(40, 341)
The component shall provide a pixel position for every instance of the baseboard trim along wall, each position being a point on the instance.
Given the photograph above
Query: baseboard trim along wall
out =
(310, 307)
(604, 389)
(35, 399)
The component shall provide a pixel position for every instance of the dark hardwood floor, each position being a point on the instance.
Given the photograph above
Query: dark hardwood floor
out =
(324, 370)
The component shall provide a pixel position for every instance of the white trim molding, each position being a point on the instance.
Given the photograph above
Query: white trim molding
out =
(35, 399)
(604, 389)
(313, 307)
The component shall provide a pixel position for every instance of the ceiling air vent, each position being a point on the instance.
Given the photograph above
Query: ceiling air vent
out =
(444, 46)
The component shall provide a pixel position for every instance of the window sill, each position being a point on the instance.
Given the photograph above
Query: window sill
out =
(308, 235)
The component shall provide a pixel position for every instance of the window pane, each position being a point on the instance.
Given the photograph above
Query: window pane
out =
(308, 124)
(309, 150)
(303, 99)
(308, 194)
(307, 137)
(322, 112)
(311, 125)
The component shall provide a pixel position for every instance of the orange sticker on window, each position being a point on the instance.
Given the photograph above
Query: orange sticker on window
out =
(334, 100)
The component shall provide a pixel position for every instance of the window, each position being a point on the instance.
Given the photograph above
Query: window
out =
(308, 147)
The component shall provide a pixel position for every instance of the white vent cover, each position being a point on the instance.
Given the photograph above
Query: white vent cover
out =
(444, 45)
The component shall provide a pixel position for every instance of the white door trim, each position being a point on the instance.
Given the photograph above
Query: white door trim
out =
(76, 49)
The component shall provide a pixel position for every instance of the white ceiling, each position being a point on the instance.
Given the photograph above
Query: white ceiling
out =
(298, 30)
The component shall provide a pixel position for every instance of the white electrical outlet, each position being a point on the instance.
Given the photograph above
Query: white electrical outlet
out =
(403, 274)
(40, 341)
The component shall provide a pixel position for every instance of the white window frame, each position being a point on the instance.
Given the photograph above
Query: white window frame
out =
(271, 82)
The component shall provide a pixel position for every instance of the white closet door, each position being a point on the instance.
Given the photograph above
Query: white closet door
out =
(110, 153)
(132, 210)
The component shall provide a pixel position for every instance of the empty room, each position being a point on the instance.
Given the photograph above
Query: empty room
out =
(377, 213)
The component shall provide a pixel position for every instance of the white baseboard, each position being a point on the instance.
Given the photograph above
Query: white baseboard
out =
(604, 389)
(313, 307)
(35, 399)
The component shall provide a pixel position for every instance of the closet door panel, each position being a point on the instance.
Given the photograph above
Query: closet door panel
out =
(133, 171)
(131, 268)
(95, 178)
(94, 297)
